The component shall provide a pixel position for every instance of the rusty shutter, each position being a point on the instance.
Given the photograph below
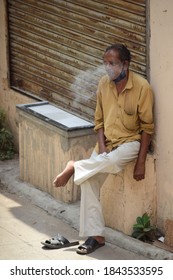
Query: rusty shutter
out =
(56, 46)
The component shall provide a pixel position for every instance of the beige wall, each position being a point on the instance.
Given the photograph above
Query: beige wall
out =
(161, 74)
(8, 98)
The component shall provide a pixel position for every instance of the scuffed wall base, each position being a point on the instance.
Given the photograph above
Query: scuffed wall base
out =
(124, 199)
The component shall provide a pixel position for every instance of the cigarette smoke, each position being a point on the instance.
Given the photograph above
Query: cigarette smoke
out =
(85, 84)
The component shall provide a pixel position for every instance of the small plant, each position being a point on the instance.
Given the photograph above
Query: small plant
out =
(143, 230)
(6, 139)
(2, 118)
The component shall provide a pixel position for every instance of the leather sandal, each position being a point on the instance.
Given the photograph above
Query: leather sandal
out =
(58, 242)
(89, 246)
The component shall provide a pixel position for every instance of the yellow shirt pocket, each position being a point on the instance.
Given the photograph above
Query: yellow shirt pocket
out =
(130, 122)
(129, 116)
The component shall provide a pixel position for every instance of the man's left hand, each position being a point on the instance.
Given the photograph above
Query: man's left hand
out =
(139, 171)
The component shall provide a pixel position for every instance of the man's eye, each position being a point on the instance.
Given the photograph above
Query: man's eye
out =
(112, 63)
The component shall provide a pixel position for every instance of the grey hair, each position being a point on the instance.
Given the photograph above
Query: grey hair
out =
(124, 53)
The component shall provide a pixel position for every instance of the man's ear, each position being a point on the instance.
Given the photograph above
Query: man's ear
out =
(126, 65)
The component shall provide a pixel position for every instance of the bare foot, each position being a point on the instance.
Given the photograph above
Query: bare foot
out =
(90, 245)
(62, 179)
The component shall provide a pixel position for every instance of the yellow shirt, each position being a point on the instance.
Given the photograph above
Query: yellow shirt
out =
(124, 116)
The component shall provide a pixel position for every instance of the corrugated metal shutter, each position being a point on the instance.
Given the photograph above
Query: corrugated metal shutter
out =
(56, 46)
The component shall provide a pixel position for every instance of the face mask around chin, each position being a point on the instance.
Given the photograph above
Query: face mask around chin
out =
(110, 73)
(112, 77)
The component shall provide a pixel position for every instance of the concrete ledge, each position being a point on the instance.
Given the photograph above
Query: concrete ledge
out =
(9, 176)
(124, 199)
(45, 149)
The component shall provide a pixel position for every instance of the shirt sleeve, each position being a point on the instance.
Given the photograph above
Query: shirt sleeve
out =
(145, 110)
(98, 111)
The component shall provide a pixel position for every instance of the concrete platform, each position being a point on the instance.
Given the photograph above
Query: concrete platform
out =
(29, 216)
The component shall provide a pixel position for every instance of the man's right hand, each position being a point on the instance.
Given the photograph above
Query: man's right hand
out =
(101, 141)
(102, 150)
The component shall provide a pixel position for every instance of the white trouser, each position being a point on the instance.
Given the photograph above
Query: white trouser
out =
(90, 175)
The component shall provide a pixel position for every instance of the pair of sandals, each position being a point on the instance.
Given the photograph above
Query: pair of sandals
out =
(59, 241)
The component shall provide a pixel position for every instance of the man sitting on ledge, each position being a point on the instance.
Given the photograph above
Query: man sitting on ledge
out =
(124, 125)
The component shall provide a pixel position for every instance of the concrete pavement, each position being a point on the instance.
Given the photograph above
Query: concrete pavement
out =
(23, 226)
(29, 216)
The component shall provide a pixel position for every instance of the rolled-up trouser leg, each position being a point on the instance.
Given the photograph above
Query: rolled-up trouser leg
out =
(91, 216)
(112, 162)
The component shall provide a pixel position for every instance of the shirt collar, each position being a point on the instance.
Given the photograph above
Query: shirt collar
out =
(129, 83)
